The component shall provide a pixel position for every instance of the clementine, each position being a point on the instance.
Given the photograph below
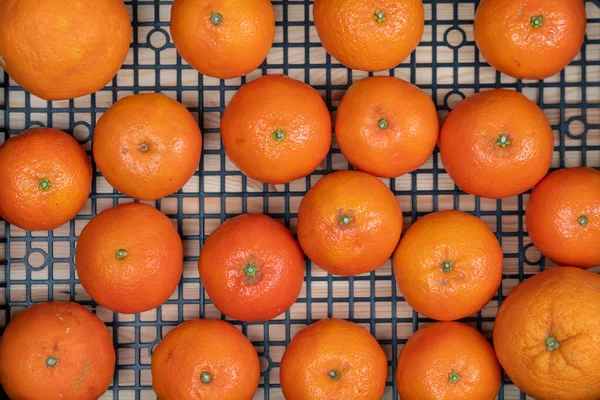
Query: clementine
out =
(45, 178)
(56, 351)
(205, 359)
(369, 35)
(534, 39)
(563, 217)
(448, 265)
(129, 258)
(223, 38)
(62, 49)
(276, 129)
(496, 144)
(448, 361)
(349, 223)
(335, 360)
(386, 126)
(547, 335)
(147, 146)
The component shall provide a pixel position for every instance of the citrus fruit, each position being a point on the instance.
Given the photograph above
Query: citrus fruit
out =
(335, 360)
(223, 38)
(252, 268)
(129, 258)
(386, 126)
(496, 144)
(563, 217)
(276, 129)
(62, 49)
(369, 35)
(349, 223)
(45, 178)
(448, 361)
(205, 359)
(56, 351)
(547, 338)
(147, 146)
(448, 265)
(530, 40)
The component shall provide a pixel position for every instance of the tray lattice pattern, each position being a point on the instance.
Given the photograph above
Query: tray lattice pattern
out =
(37, 267)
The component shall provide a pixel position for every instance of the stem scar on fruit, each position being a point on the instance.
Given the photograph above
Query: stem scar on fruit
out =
(503, 141)
(279, 135)
(45, 184)
(551, 343)
(121, 254)
(205, 377)
(51, 362)
(216, 18)
(453, 377)
(536, 21)
(382, 123)
(583, 220)
(447, 266)
(250, 270)
(144, 147)
(345, 219)
(379, 16)
(334, 375)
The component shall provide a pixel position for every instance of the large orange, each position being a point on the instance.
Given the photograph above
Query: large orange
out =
(370, 35)
(205, 359)
(531, 39)
(56, 351)
(223, 38)
(45, 178)
(129, 258)
(276, 129)
(335, 360)
(496, 144)
(563, 217)
(386, 126)
(349, 223)
(448, 361)
(448, 265)
(252, 268)
(547, 335)
(147, 146)
(62, 49)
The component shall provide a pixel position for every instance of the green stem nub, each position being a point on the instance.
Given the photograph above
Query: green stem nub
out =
(536, 22)
(345, 220)
(334, 375)
(216, 18)
(551, 343)
(250, 269)
(447, 266)
(453, 377)
(205, 377)
(583, 220)
(51, 362)
(45, 184)
(503, 141)
(379, 16)
(382, 123)
(279, 135)
(121, 254)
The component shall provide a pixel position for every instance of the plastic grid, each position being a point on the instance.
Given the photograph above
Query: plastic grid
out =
(39, 266)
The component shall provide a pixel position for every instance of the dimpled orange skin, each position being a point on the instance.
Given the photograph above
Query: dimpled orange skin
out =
(448, 361)
(276, 263)
(223, 38)
(448, 265)
(333, 346)
(65, 334)
(547, 335)
(369, 35)
(147, 146)
(349, 223)
(45, 178)
(62, 49)
(554, 217)
(410, 126)
(471, 149)
(276, 105)
(507, 36)
(211, 347)
(129, 258)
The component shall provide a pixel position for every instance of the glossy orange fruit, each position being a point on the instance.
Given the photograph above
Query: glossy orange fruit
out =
(349, 223)
(129, 258)
(386, 126)
(56, 351)
(448, 361)
(335, 360)
(496, 144)
(369, 35)
(563, 217)
(223, 38)
(531, 39)
(448, 265)
(252, 268)
(147, 146)
(547, 338)
(45, 178)
(276, 129)
(205, 359)
(62, 49)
